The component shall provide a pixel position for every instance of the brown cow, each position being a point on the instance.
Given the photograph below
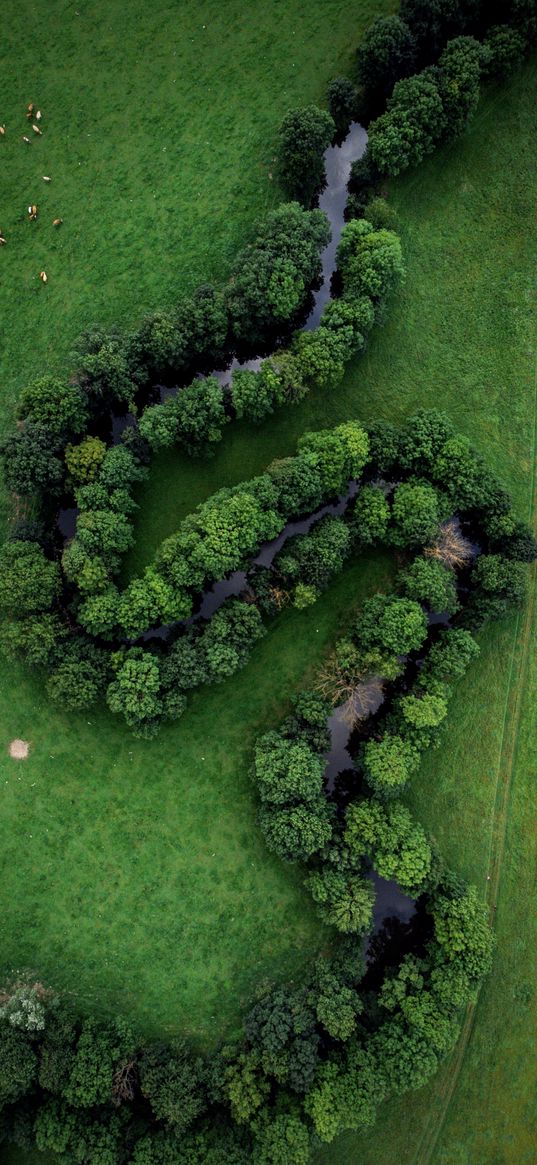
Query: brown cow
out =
(43, 276)
(57, 222)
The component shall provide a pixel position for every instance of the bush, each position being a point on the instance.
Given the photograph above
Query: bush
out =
(305, 134)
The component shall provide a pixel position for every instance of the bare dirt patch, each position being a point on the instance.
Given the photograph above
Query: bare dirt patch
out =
(19, 749)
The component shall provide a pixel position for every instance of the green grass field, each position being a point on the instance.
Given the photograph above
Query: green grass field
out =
(138, 898)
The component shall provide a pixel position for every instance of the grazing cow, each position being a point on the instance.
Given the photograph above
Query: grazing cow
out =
(30, 110)
(32, 211)
(3, 130)
(46, 178)
(36, 129)
(57, 222)
(43, 276)
(2, 240)
(25, 139)
(38, 115)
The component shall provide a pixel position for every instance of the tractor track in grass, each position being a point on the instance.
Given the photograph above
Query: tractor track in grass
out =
(500, 816)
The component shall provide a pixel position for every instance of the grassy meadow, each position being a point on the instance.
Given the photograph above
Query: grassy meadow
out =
(144, 885)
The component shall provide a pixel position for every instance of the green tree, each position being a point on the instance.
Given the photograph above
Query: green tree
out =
(289, 240)
(173, 1083)
(99, 614)
(462, 931)
(18, 1063)
(286, 770)
(282, 1141)
(135, 693)
(304, 136)
(105, 368)
(29, 582)
(31, 462)
(370, 516)
(416, 514)
(370, 262)
(450, 657)
(389, 763)
(80, 676)
(505, 48)
(428, 581)
(295, 833)
(411, 127)
(100, 1047)
(386, 53)
(36, 640)
(460, 70)
(345, 900)
(84, 460)
(389, 837)
(346, 1093)
(397, 625)
(57, 405)
(200, 416)
(342, 103)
